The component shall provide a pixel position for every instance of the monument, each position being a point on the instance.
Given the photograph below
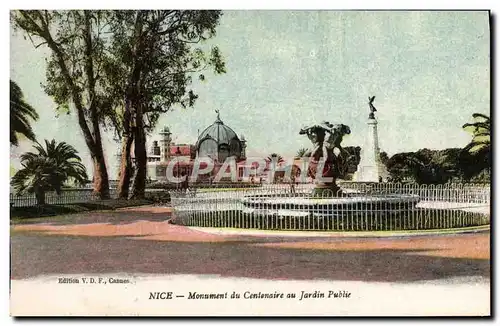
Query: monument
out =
(371, 168)
(325, 137)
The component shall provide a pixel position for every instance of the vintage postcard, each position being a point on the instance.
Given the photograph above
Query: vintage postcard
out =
(250, 163)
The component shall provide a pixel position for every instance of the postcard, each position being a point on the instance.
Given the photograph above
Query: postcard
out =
(250, 163)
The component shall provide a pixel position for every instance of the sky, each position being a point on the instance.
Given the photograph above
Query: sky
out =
(429, 72)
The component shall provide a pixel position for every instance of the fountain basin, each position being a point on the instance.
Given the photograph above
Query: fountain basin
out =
(329, 205)
(283, 210)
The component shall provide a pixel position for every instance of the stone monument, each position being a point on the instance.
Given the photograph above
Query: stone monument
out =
(371, 168)
(325, 137)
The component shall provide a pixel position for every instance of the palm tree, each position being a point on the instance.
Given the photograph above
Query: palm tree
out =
(301, 152)
(481, 131)
(48, 170)
(275, 157)
(20, 115)
(273, 160)
(479, 149)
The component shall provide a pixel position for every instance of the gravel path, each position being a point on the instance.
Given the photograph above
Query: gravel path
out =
(139, 240)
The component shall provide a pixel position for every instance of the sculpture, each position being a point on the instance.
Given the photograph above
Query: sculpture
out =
(372, 108)
(325, 137)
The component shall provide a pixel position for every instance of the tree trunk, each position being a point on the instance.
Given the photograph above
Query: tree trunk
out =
(139, 189)
(40, 197)
(125, 167)
(101, 182)
(93, 140)
(126, 170)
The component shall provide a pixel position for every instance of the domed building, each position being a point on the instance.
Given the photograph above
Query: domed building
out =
(218, 141)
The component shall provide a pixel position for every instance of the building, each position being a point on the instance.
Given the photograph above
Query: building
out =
(218, 141)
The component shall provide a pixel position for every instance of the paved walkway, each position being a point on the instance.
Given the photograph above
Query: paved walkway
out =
(139, 240)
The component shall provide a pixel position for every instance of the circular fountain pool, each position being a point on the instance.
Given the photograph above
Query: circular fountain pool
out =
(286, 211)
(351, 202)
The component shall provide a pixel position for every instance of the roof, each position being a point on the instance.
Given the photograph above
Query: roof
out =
(180, 150)
(218, 131)
(203, 165)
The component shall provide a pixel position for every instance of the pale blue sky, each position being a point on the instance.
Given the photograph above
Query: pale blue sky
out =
(428, 70)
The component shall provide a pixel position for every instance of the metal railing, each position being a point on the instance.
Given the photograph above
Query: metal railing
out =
(67, 196)
(357, 207)
(84, 195)
(450, 192)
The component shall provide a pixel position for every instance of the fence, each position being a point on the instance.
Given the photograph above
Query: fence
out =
(451, 192)
(67, 196)
(358, 207)
(83, 195)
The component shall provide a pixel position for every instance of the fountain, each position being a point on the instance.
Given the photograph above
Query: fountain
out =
(326, 206)
(325, 138)
(327, 198)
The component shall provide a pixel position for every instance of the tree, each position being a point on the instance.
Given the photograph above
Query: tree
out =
(301, 152)
(403, 166)
(274, 157)
(384, 158)
(426, 166)
(476, 156)
(48, 170)
(153, 64)
(347, 161)
(20, 115)
(353, 157)
(273, 160)
(74, 71)
(481, 132)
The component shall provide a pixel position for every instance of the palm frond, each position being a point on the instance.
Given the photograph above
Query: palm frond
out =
(21, 113)
(49, 168)
(482, 116)
(480, 146)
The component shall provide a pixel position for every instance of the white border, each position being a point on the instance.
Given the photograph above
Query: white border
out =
(189, 4)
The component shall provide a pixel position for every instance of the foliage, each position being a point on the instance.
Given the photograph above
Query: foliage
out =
(481, 132)
(20, 115)
(74, 70)
(384, 158)
(74, 38)
(275, 157)
(426, 166)
(471, 163)
(48, 169)
(301, 152)
(476, 156)
(154, 48)
(153, 62)
(352, 155)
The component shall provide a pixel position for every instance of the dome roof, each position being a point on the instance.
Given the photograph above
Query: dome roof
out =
(218, 141)
(218, 132)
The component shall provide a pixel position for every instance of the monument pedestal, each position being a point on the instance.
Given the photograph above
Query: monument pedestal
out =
(371, 168)
(323, 189)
